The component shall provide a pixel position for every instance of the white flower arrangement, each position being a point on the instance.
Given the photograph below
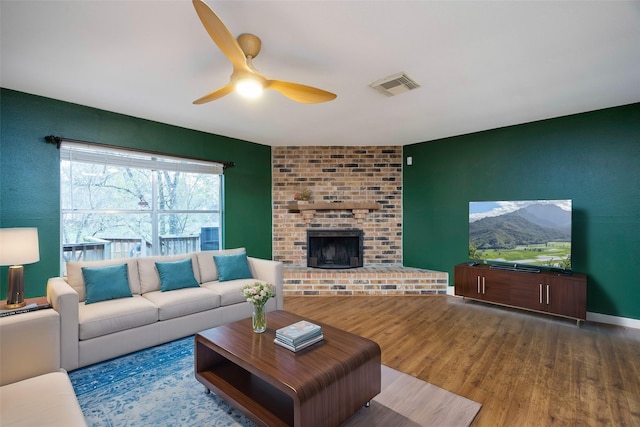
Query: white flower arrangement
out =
(258, 293)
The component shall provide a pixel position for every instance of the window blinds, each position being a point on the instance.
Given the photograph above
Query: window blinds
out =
(91, 153)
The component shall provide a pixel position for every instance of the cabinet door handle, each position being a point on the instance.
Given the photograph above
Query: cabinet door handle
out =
(478, 284)
(482, 285)
(547, 294)
(540, 293)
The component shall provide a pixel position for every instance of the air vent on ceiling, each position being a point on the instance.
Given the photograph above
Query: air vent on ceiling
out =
(395, 84)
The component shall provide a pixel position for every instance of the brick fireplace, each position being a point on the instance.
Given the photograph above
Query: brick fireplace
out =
(351, 188)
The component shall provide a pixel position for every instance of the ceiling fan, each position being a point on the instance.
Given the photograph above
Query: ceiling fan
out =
(245, 78)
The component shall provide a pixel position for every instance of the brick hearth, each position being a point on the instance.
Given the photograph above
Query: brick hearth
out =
(368, 280)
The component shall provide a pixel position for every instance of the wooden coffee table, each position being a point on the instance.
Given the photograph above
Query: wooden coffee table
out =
(322, 385)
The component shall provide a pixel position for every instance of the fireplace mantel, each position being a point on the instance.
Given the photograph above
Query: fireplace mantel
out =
(330, 206)
(308, 209)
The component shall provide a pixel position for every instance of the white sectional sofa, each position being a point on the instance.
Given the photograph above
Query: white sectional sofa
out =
(34, 391)
(91, 332)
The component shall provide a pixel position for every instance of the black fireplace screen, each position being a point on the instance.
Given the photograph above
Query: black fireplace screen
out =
(335, 248)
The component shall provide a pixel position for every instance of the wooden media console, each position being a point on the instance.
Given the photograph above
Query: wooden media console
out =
(541, 291)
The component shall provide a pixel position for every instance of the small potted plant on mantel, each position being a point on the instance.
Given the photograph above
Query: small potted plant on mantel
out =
(303, 196)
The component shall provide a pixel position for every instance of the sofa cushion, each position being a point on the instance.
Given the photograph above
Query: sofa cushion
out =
(182, 302)
(76, 279)
(104, 283)
(176, 275)
(232, 267)
(115, 315)
(149, 277)
(45, 400)
(231, 291)
(207, 266)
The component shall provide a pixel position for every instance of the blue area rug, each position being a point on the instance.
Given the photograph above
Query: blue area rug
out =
(153, 387)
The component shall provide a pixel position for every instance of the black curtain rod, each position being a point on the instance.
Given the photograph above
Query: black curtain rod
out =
(57, 140)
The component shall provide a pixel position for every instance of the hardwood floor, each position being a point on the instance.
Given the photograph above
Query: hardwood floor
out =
(524, 368)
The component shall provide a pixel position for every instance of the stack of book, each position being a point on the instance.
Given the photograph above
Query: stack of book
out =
(26, 309)
(299, 335)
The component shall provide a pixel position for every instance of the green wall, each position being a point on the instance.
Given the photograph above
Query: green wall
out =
(592, 158)
(29, 172)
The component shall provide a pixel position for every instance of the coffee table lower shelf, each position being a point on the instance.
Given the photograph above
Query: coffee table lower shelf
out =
(236, 385)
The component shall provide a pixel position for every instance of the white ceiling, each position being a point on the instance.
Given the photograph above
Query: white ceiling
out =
(480, 64)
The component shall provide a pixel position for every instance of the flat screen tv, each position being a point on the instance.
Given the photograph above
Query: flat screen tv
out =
(521, 232)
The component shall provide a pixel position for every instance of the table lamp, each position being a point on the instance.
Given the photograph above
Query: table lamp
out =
(18, 246)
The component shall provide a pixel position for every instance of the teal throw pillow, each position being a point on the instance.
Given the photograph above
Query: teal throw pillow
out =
(231, 267)
(105, 283)
(176, 275)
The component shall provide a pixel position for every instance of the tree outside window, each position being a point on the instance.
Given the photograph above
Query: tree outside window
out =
(119, 205)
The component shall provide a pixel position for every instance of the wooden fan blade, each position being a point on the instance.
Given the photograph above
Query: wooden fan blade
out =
(221, 35)
(300, 93)
(218, 93)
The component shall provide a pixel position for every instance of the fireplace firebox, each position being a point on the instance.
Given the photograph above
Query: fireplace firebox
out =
(335, 248)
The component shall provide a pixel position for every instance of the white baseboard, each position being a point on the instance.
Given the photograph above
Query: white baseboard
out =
(613, 320)
(626, 322)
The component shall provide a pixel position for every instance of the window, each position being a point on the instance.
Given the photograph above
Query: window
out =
(118, 203)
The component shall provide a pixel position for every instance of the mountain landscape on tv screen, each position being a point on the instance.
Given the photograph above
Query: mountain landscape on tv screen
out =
(537, 234)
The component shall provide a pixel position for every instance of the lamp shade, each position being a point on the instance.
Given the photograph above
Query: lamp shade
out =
(19, 246)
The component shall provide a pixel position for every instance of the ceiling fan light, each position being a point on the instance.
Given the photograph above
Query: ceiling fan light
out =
(249, 88)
